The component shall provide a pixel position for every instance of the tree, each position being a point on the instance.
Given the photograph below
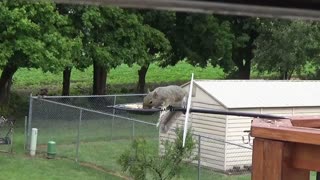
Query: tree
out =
(199, 38)
(139, 161)
(286, 46)
(78, 59)
(112, 36)
(205, 40)
(226, 41)
(31, 37)
(155, 44)
(245, 32)
(157, 48)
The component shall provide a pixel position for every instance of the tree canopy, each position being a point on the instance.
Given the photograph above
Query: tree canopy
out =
(286, 46)
(32, 35)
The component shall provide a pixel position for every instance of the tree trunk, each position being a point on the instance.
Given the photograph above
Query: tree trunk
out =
(99, 79)
(142, 78)
(285, 75)
(5, 82)
(245, 70)
(66, 81)
(242, 56)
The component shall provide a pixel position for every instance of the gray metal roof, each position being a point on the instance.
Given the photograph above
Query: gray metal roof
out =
(262, 93)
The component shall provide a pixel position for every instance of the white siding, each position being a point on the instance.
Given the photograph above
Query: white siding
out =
(212, 152)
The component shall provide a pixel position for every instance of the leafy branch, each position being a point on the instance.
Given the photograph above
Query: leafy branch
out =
(141, 163)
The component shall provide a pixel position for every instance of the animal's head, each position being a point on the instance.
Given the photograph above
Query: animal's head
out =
(150, 100)
(43, 91)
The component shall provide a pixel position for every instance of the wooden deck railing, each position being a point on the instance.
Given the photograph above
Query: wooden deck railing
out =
(285, 149)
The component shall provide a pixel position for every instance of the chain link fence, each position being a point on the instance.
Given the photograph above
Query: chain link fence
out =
(87, 130)
(6, 134)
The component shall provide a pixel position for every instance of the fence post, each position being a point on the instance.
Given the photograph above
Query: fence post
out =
(25, 133)
(132, 130)
(199, 155)
(78, 138)
(113, 112)
(29, 120)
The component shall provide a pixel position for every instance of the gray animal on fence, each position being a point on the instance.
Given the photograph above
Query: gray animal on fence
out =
(163, 97)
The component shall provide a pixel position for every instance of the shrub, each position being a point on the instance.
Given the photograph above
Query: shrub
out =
(140, 162)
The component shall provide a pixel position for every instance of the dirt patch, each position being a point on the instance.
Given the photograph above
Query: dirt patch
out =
(99, 168)
(89, 165)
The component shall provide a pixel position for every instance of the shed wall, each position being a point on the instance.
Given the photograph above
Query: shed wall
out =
(214, 126)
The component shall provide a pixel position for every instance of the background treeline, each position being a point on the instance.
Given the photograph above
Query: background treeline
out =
(80, 49)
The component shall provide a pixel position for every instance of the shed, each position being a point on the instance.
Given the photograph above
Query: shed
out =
(275, 97)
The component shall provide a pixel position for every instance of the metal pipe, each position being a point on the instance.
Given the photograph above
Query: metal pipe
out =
(206, 111)
(33, 144)
(113, 113)
(25, 133)
(133, 133)
(87, 96)
(233, 113)
(29, 121)
(78, 138)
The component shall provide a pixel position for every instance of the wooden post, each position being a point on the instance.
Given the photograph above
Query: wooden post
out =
(271, 160)
(282, 151)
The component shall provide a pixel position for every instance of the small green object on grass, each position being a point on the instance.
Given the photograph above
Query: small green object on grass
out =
(51, 152)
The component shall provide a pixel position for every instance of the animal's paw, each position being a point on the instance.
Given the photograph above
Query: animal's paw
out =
(163, 108)
(162, 113)
(158, 124)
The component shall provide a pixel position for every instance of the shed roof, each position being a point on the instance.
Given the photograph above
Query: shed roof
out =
(262, 93)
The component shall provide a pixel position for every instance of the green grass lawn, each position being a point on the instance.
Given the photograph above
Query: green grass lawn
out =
(100, 153)
(96, 149)
(29, 79)
(19, 166)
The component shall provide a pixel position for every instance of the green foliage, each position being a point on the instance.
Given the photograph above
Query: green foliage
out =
(206, 39)
(244, 31)
(17, 107)
(286, 46)
(31, 35)
(112, 36)
(6, 110)
(73, 14)
(156, 43)
(200, 38)
(139, 162)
